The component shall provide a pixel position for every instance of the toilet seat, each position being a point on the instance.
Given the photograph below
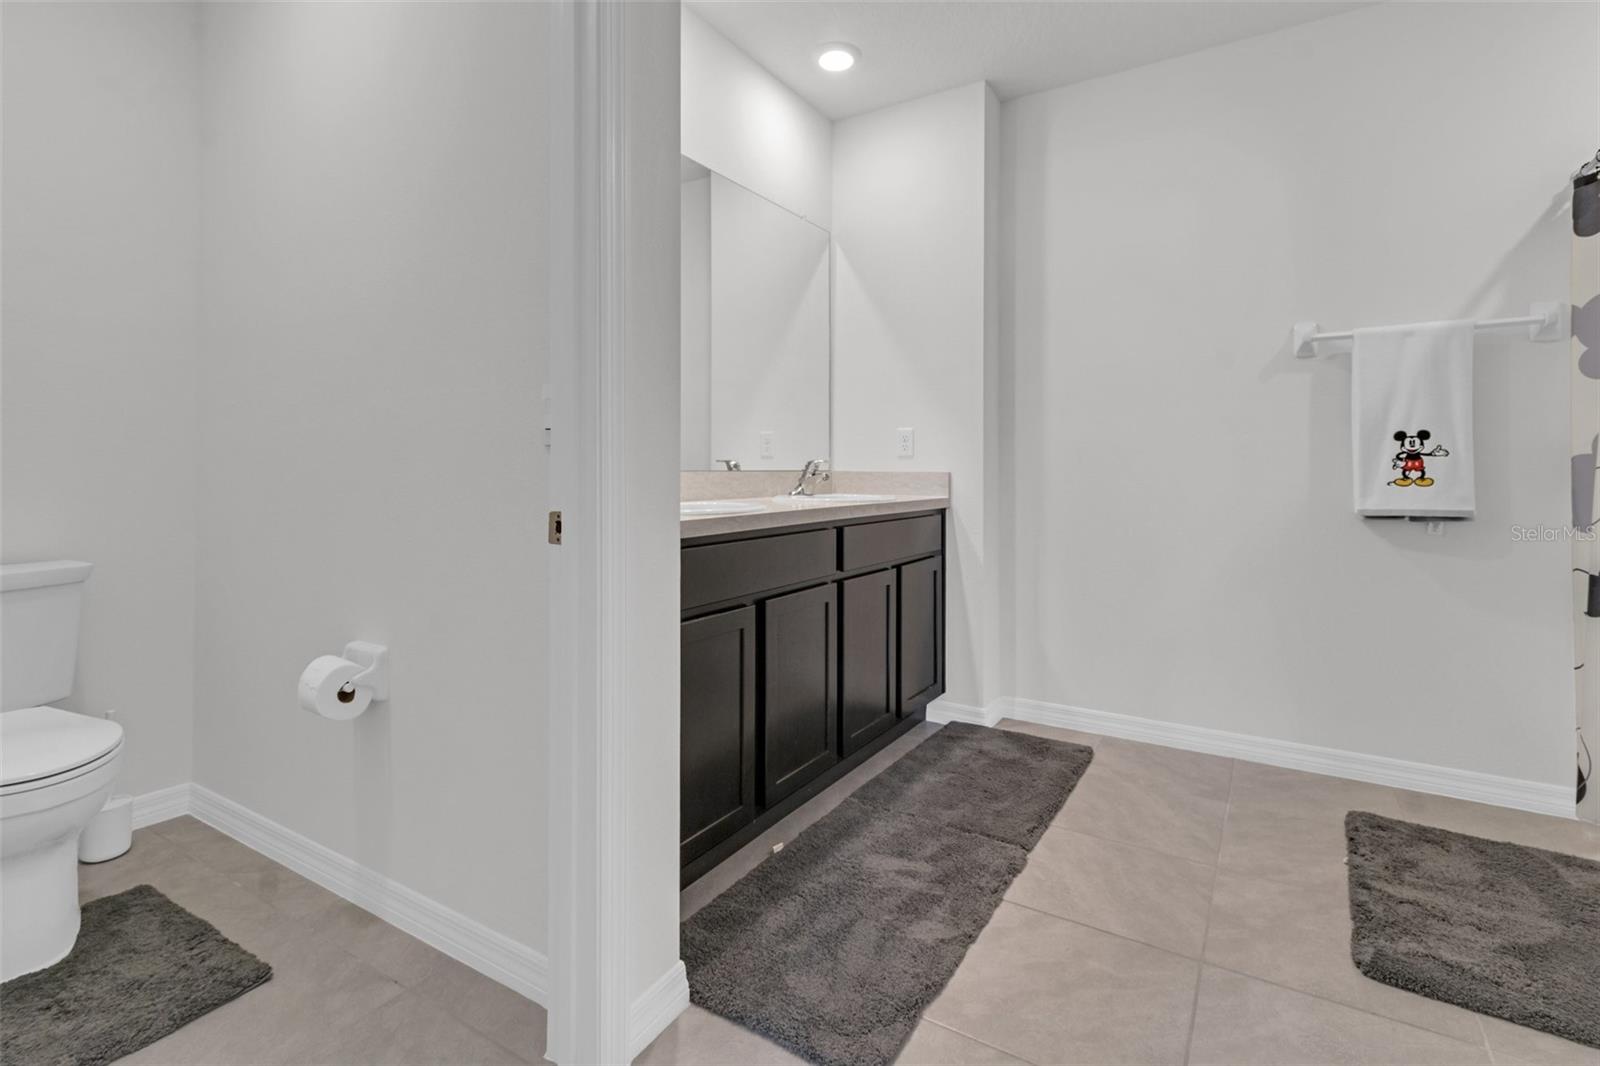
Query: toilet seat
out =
(44, 746)
(57, 770)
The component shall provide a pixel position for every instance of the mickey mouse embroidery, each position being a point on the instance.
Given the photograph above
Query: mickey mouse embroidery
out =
(1409, 459)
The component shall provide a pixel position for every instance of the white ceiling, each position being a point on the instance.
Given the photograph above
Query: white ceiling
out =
(910, 48)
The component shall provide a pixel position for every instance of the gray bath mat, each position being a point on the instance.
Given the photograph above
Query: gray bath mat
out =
(834, 946)
(1498, 928)
(143, 967)
(993, 771)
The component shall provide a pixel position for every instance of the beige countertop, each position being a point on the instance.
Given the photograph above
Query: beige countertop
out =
(775, 514)
(912, 490)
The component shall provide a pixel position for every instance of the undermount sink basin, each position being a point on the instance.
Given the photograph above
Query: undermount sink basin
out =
(696, 508)
(835, 498)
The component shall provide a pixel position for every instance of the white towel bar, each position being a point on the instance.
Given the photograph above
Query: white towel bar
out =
(1545, 321)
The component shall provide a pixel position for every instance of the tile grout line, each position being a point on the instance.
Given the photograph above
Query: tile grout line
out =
(1351, 1006)
(1253, 977)
(1199, 962)
(1211, 899)
(1233, 784)
(1056, 824)
(1095, 928)
(1484, 1034)
(975, 1040)
(1358, 1010)
(309, 931)
(184, 849)
(1203, 963)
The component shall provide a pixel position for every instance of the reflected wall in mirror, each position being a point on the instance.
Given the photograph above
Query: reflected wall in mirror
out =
(755, 329)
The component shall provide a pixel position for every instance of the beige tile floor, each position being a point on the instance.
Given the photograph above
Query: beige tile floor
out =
(346, 989)
(1181, 908)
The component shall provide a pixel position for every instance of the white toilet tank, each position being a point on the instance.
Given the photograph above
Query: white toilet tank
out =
(39, 608)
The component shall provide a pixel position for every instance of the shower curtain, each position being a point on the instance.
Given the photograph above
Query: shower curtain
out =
(1585, 461)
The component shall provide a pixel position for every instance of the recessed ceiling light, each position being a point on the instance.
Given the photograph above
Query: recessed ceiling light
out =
(837, 58)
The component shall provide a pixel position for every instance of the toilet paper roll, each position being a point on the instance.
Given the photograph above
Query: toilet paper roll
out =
(325, 688)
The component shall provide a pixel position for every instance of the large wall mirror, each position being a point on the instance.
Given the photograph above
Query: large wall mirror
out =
(755, 329)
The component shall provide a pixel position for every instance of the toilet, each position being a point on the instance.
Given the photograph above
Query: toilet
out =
(56, 767)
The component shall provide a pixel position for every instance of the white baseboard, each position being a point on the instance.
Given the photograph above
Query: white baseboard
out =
(656, 1008)
(526, 971)
(942, 710)
(160, 805)
(498, 957)
(1471, 785)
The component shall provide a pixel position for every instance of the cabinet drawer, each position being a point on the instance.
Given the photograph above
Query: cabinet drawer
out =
(716, 572)
(882, 542)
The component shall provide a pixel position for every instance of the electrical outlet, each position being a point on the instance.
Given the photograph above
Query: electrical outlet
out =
(905, 442)
(769, 449)
(1436, 529)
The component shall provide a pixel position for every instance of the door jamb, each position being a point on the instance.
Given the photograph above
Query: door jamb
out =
(611, 927)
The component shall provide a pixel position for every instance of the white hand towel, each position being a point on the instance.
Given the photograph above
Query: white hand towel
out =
(1411, 421)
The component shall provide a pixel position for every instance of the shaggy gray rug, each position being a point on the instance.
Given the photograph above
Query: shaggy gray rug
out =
(1006, 790)
(143, 967)
(833, 946)
(1499, 928)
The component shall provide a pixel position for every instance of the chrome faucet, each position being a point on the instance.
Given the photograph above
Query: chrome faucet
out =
(814, 468)
(730, 464)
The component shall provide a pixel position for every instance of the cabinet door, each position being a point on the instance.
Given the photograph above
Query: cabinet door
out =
(869, 699)
(717, 737)
(921, 633)
(799, 707)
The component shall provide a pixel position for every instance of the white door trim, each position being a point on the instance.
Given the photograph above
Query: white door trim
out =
(612, 771)
(586, 772)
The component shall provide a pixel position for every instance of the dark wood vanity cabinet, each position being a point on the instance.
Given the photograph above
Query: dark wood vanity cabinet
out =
(717, 741)
(799, 689)
(921, 651)
(871, 700)
(804, 651)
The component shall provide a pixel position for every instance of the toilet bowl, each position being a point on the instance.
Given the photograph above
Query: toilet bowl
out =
(57, 769)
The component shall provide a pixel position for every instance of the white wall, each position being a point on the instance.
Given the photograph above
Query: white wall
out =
(694, 325)
(100, 322)
(746, 125)
(911, 190)
(370, 458)
(1185, 547)
(769, 332)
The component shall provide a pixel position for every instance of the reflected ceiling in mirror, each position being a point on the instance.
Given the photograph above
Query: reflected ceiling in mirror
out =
(755, 329)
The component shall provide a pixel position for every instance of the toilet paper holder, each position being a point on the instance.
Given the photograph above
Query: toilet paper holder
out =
(375, 657)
